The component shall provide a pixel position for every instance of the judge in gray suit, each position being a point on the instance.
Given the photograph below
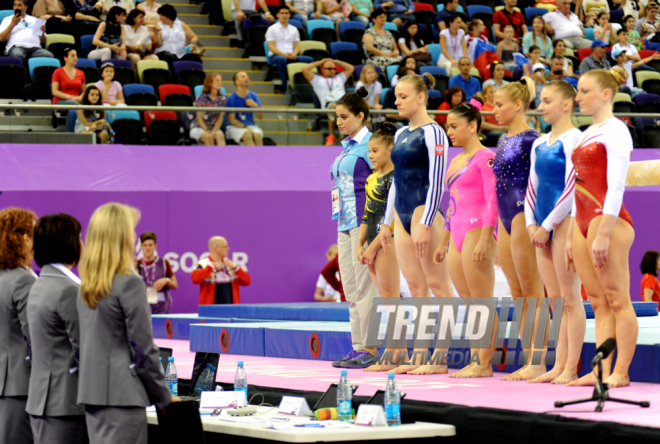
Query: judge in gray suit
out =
(119, 368)
(16, 278)
(55, 415)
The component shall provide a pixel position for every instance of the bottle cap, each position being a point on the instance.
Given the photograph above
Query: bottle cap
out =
(210, 366)
(390, 375)
(240, 363)
(160, 358)
(344, 372)
(170, 359)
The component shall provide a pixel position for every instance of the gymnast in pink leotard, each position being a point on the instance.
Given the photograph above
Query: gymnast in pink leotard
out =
(468, 239)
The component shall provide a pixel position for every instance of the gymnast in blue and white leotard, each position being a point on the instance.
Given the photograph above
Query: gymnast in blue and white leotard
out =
(419, 170)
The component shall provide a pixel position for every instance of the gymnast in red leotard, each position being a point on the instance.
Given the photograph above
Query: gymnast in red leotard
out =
(471, 220)
(599, 247)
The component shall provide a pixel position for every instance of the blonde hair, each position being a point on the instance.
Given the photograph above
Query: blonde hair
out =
(524, 90)
(565, 89)
(487, 88)
(333, 248)
(421, 84)
(363, 73)
(108, 250)
(608, 79)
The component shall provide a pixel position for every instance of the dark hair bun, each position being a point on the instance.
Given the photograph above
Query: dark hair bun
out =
(362, 92)
(388, 128)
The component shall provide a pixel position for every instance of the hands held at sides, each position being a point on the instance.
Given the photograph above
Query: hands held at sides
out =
(367, 256)
(385, 237)
(422, 239)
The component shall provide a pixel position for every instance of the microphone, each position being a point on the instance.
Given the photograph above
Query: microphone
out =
(604, 351)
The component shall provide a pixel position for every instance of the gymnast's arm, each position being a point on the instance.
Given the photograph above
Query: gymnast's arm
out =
(532, 185)
(434, 137)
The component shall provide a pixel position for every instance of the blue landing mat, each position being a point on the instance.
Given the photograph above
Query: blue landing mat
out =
(231, 338)
(177, 326)
(337, 312)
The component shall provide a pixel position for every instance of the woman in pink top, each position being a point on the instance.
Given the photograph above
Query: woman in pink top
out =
(469, 233)
(111, 90)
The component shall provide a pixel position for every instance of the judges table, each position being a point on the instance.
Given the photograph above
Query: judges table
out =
(261, 430)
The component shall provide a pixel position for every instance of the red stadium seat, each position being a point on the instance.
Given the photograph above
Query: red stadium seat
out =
(150, 116)
(582, 53)
(166, 90)
(423, 7)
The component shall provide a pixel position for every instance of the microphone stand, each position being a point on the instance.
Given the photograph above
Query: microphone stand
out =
(601, 395)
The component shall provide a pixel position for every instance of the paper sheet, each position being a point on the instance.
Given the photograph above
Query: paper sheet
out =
(38, 23)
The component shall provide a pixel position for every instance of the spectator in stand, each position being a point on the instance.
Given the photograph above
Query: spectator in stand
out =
(563, 24)
(58, 15)
(137, 39)
(329, 290)
(595, 7)
(508, 16)
(559, 48)
(489, 126)
(497, 72)
(157, 275)
(557, 69)
(92, 121)
(630, 8)
(328, 87)
(603, 30)
(533, 58)
(362, 10)
(170, 36)
(450, 9)
(379, 44)
(87, 16)
(650, 285)
(475, 30)
(218, 277)
(18, 31)
(409, 64)
(539, 38)
(68, 82)
(506, 49)
(468, 83)
(126, 5)
(52, 318)
(332, 10)
(110, 37)
(397, 10)
(631, 54)
(369, 80)
(206, 127)
(241, 127)
(597, 59)
(284, 44)
(624, 78)
(454, 96)
(303, 10)
(648, 26)
(150, 9)
(453, 45)
(633, 36)
(412, 45)
(16, 279)
(242, 9)
(111, 90)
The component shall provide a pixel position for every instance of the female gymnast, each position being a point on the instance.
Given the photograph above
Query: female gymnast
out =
(471, 219)
(349, 172)
(550, 195)
(515, 251)
(600, 245)
(383, 268)
(419, 162)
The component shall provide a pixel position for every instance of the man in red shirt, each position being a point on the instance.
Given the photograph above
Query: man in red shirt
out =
(218, 277)
(509, 16)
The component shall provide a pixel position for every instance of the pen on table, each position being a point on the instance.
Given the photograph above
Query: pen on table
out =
(310, 425)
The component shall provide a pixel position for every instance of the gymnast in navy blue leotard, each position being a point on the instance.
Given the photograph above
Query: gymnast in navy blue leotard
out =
(419, 171)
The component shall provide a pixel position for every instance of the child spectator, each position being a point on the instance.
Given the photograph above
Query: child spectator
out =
(369, 79)
(603, 30)
(534, 58)
(362, 10)
(111, 90)
(633, 36)
(92, 121)
(506, 48)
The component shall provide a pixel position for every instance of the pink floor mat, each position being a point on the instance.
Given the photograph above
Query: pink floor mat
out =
(302, 374)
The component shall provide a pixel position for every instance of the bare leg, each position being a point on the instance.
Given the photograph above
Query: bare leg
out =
(247, 138)
(103, 137)
(207, 138)
(258, 138)
(220, 138)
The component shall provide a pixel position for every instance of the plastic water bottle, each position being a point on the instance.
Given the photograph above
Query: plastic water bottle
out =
(171, 376)
(392, 402)
(160, 361)
(240, 380)
(344, 398)
(205, 381)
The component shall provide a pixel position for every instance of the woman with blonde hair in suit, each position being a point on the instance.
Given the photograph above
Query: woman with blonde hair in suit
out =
(55, 415)
(16, 278)
(119, 369)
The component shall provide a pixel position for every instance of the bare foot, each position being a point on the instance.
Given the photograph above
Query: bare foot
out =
(380, 368)
(565, 377)
(461, 371)
(477, 371)
(429, 369)
(616, 380)
(588, 379)
(402, 369)
(528, 372)
(507, 377)
(547, 377)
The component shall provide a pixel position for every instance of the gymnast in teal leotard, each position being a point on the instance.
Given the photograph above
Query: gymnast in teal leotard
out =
(419, 162)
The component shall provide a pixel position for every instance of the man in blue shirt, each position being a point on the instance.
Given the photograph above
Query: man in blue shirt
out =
(241, 127)
(451, 7)
(469, 84)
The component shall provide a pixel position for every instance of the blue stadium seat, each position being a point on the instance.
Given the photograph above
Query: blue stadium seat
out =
(532, 11)
(316, 24)
(35, 62)
(86, 44)
(434, 50)
(473, 9)
(383, 94)
(86, 63)
(433, 70)
(132, 88)
(114, 114)
(343, 26)
(339, 46)
(390, 71)
(5, 13)
(73, 116)
(589, 33)
(198, 90)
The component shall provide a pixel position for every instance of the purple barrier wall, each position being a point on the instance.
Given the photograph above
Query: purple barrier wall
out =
(271, 203)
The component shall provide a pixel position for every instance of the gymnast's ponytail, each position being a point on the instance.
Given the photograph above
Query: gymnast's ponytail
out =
(385, 133)
(422, 84)
(524, 90)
